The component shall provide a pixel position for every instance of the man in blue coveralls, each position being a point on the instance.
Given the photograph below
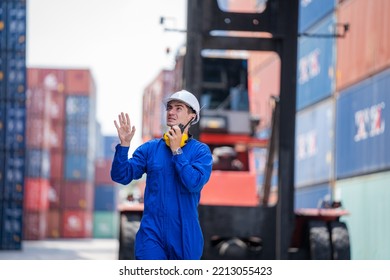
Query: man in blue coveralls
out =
(177, 168)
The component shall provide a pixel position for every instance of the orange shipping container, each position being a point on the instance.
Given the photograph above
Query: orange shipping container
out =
(365, 50)
(264, 82)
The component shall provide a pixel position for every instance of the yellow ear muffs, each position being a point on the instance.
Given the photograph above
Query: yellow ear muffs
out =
(184, 139)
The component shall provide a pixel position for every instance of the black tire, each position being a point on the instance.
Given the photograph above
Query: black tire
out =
(340, 241)
(129, 225)
(319, 240)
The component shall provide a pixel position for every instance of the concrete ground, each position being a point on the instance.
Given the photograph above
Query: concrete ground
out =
(64, 249)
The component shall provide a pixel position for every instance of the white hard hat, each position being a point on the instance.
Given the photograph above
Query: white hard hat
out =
(189, 99)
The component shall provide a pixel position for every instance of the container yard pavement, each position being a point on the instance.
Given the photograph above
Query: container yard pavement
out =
(64, 249)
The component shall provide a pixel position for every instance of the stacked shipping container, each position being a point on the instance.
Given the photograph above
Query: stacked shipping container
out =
(105, 214)
(61, 106)
(12, 121)
(341, 135)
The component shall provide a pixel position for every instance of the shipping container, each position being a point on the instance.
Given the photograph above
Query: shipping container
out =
(316, 64)
(12, 166)
(38, 102)
(77, 109)
(365, 50)
(318, 196)
(37, 133)
(79, 82)
(263, 83)
(361, 137)
(103, 171)
(37, 163)
(36, 194)
(314, 144)
(76, 224)
(56, 136)
(34, 225)
(13, 25)
(77, 138)
(366, 198)
(11, 224)
(312, 11)
(56, 165)
(55, 193)
(54, 221)
(105, 224)
(78, 167)
(12, 125)
(77, 195)
(110, 143)
(14, 76)
(105, 198)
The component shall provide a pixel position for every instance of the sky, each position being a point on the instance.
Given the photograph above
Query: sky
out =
(121, 41)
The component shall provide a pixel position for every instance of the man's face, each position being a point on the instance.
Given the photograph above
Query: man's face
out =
(178, 112)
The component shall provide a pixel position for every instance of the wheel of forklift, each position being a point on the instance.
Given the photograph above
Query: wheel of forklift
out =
(319, 240)
(129, 225)
(341, 247)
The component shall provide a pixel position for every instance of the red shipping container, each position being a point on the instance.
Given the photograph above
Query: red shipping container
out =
(37, 132)
(365, 50)
(76, 224)
(38, 102)
(36, 194)
(53, 223)
(56, 136)
(77, 195)
(79, 82)
(55, 193)
(103, 172)
(34, 225)
(32, 77)
(52, 79)
(57, 106)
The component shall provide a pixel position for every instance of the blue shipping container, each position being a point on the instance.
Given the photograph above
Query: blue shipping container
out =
(13, 18)
(314, 144)
(106, 198)
(76, 138)
(361, 136)
(312, 197)
(12, 125)
(312, 11)
(77, 108)
(11, 225)
(37, 163)
(12, 168)
(110, 143)
(78, 167)
(316, 65)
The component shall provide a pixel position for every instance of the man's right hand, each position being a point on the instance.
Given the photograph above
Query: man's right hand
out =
(125, 130)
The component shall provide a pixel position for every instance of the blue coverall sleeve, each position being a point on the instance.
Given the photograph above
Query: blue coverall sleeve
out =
(194, 175)
(125, 169)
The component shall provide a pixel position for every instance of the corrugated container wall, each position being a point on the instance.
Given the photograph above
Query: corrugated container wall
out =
(365, 50)
(316, 64)
(367, 199)
(311, 12)
(314, 144)
(12, 121)
(361, 135)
